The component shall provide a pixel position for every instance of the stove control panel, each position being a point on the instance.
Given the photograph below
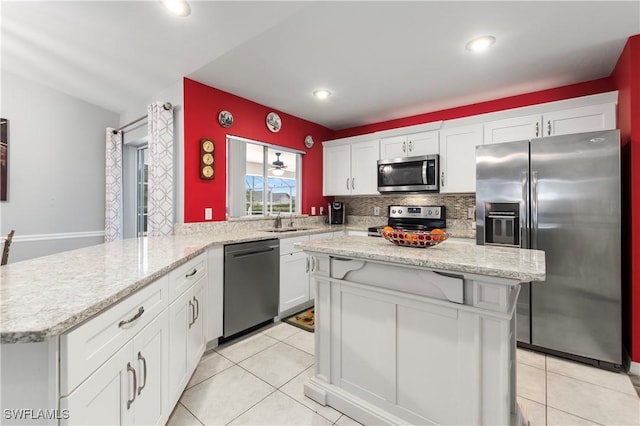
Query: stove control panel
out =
(417, 212)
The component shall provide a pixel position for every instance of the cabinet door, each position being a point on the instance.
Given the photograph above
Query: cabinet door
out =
(364, 167)
(213, 314)
(394, 147)
(513, 129)
(150, 350)
(458, 158)
(195, 332)
(336, 170)
(424, 143)
(294, 280)
(180, 315)
(579, 120)
(102, 398)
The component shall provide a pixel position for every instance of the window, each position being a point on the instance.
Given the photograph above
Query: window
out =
(142, 193)
(262, 179)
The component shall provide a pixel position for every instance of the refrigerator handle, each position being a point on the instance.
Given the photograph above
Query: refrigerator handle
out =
(524, 222)
(534, 209)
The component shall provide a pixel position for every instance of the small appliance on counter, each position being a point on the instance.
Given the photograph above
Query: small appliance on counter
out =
(337, 213)
(414, 218)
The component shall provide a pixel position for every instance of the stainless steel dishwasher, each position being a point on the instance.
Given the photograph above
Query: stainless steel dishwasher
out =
(251, 284)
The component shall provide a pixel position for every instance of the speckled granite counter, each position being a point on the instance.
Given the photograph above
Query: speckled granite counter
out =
(43, 297)
(454, 256)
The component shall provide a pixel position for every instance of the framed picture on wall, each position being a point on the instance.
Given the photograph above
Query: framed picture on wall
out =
(4, 157)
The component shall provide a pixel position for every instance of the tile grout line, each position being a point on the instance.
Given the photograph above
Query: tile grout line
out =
(189, 411)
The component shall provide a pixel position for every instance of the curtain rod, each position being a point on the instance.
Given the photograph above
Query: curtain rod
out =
(167, 106)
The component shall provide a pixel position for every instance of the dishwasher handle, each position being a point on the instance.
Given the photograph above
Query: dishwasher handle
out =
(252, 252)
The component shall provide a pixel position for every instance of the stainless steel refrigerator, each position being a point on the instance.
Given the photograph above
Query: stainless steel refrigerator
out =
(562, 195)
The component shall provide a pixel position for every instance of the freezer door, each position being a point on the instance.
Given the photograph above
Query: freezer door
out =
(502, 173)
(575, 219)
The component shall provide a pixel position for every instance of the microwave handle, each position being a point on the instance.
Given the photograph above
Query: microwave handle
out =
(424, 173)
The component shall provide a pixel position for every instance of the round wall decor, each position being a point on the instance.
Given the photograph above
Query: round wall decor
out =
(225, 119)
(273, 122)
(308, 141)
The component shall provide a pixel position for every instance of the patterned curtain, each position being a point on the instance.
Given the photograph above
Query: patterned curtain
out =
(113, 190)
(160, 207)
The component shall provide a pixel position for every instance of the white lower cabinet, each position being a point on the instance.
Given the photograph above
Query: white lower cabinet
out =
(186, 338)
(130, 387)
(294, 280)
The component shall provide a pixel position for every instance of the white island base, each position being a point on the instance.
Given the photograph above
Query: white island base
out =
(400, 344)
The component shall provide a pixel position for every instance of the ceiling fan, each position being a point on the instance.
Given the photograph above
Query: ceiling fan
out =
(278, 166)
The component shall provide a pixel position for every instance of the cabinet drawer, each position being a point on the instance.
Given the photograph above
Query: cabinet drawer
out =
(85, 348)
(183, 277)
(286, 244)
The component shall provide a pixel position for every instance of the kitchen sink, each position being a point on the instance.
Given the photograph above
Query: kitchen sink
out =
(285, 229)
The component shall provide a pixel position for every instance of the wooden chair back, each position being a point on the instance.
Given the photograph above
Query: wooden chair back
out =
(5, 250)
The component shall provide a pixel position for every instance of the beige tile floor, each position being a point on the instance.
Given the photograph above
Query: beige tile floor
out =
(258, 380)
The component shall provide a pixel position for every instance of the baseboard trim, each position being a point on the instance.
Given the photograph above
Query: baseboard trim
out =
(58, 236)
(634, 368)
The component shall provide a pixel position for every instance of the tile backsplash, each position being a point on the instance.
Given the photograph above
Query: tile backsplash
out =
(457, 205)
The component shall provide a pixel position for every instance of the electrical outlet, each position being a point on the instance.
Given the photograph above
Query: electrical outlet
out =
(313, 211)
(473, 226)
(376, 211)
(471, 213)
(208, 213)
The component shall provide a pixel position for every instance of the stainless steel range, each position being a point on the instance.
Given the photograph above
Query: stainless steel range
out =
(415, 218)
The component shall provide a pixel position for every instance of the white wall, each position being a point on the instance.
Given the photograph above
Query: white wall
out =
(56, 179)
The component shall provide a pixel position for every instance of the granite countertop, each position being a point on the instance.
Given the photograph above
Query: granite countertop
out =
(43, 297)
(455, 255)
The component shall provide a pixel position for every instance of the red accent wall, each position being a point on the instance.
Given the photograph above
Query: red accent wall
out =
(626, 77)
(549, 95)
(201, 107)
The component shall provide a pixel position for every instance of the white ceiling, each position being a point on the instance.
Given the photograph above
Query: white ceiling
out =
(382, 60)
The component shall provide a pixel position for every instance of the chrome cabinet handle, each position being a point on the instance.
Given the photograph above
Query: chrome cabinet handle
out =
(410, 146)
(192, 273)
(133, 318)
(193, 313)
(347, 183)
(307, 265)
(404, 147)
(549, 128)
(537, 129)
(441, 178)
(135, 384)
(197, 304)
(353, 183)
(144, 370)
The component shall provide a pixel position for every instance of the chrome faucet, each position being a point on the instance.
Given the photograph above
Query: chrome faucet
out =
(278, 222)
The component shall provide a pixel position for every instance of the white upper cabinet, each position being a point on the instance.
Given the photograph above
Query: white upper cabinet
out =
(458, 158)
(567, 121)
(512, 129)
(351, 169)
(412, 145)
(578, 120)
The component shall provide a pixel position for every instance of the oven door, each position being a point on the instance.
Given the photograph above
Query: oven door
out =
(412, 174)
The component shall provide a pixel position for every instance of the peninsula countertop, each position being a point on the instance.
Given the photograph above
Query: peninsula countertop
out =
(45, 296)
(452, 255)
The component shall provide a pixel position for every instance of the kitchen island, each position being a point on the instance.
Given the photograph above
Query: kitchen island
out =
(418, 336)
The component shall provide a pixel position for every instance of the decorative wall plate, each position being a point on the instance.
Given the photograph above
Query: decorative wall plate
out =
(273, 122)
(206, 158)
(308, 141)
(225, 119)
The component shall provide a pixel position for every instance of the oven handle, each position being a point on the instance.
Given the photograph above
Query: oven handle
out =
(498, 216)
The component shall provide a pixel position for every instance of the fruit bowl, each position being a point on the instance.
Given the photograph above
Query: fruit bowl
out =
(418, 239)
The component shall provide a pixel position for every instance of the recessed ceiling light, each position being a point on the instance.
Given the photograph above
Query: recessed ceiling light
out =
(321, 93)
(177, 7)
(481, 43)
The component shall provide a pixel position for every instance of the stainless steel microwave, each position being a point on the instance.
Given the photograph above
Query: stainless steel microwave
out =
(409, 174)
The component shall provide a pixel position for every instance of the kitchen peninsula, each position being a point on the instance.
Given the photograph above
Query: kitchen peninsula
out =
(419, 336)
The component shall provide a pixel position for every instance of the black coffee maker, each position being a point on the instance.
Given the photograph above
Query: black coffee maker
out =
(337, 213)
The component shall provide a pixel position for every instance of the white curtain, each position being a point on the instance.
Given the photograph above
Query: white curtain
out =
(113, 190)
(160, 207)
